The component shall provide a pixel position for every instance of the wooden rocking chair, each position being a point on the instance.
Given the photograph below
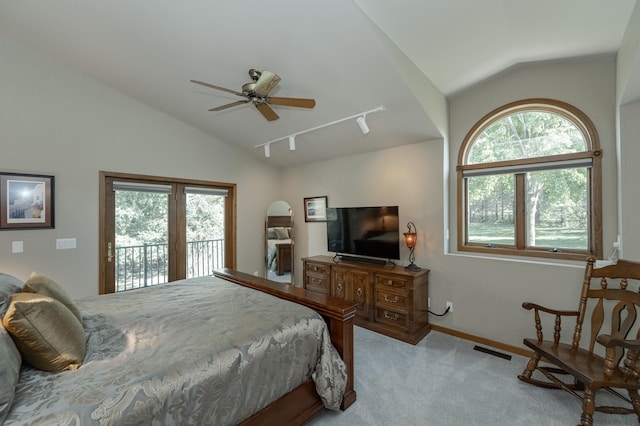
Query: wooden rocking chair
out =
(620, 366)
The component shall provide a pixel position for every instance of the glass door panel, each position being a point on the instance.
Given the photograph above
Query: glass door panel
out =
(141, 236)
(205, 216)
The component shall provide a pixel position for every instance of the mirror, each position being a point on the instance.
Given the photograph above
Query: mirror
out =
(279, 242)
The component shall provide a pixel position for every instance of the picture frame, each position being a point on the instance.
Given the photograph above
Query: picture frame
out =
(26, 201)
(315, 209)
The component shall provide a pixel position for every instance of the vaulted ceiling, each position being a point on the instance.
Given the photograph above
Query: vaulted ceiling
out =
(337, 52)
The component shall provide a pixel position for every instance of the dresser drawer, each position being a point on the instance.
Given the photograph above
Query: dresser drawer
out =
(390, 299)
(394, 318)
(391, 282)
(315, 283)
(318, 268)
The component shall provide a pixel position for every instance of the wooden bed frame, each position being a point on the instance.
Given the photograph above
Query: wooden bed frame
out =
(302, 403)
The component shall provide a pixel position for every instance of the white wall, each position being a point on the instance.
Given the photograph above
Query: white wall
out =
(487, 293)
(628, 95)
(400, 176)
(629, 178)
(57, 122)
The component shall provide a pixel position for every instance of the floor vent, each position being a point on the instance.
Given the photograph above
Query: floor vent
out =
(492, 352)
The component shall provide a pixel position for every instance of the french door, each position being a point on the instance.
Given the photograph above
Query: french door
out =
(154, 229)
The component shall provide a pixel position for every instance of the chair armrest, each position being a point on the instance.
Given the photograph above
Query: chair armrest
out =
(528, 306)
(609, 342)
(558, 314)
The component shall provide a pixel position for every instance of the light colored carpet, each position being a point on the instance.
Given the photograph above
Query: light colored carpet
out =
(443, 381)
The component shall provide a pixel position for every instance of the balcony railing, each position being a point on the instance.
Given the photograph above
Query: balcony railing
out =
(148, 264)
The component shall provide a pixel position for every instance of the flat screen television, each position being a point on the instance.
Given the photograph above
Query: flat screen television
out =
(364, 231)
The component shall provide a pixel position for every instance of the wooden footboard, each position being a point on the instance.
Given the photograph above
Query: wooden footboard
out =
(299, 405)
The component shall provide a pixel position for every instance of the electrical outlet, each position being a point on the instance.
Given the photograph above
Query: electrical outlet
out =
(450, 306)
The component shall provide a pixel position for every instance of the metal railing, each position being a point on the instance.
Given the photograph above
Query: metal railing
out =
(148, 264)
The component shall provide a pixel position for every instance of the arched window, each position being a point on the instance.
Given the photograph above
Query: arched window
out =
(529, 183)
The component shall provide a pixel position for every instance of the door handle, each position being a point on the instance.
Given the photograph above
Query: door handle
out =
(109, 252)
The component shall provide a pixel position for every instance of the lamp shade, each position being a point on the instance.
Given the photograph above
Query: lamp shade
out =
(410, 238)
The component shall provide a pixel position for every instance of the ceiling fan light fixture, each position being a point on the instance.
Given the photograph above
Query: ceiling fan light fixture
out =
(267, 150)
(292, 142)
(362, 124)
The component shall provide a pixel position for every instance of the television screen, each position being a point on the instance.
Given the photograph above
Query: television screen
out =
(364, 231)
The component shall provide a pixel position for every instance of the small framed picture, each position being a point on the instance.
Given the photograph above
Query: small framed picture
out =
(26, 201)
(315, 209)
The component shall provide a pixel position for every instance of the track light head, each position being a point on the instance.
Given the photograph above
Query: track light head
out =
(292, 142)
(362, 124)
(267, 150)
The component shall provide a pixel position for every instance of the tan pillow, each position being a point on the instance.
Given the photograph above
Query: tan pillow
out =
(43, 285)
(282, 233)
(48, 336)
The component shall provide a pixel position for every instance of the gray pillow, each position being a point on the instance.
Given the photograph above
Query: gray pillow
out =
(9, 371)
(271, 234)
(8, 286)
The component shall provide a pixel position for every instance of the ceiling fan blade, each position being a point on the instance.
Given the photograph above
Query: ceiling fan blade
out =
(232, 104)
(202, 83)
(267, 111)
(265, 83)
(294, 102)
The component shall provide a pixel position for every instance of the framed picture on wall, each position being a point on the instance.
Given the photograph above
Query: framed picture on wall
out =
(315, 209)
(26, 201)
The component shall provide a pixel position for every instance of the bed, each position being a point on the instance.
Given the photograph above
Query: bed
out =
(174, 354)
(279, 244)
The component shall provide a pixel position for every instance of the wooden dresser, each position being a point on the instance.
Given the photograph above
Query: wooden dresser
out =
(390, 300)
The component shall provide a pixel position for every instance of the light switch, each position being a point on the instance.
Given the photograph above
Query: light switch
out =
(17, 246)
(65, 243)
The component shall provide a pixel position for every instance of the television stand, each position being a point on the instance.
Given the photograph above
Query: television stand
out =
(346, 258)
(389, 300)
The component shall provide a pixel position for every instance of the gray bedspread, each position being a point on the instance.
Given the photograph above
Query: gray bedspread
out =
(198, 351)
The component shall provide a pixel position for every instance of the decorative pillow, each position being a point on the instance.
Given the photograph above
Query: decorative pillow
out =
(9, 372)
(281, 233)
(43, 285)
(271, 234)
(8, 286)
(47, 334)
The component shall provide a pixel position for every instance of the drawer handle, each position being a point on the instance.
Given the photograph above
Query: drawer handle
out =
(394, 300)
(359, 291)
(393, 318)
(390, 282)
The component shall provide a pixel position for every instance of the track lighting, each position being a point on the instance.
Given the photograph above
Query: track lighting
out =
(362, 124)
(360, 119)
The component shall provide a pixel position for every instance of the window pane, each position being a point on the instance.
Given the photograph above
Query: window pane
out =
(490, 218)
(205, 234)
(557, 209)
(527, 134)
(142, 235)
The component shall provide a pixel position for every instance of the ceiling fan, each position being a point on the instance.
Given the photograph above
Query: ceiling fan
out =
(257, 92)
